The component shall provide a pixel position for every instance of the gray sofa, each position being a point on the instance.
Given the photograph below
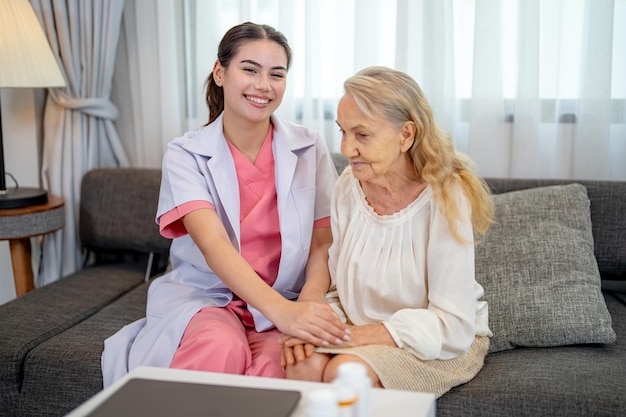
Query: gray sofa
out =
(51, 339)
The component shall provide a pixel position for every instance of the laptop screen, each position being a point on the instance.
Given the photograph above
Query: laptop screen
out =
(153, 398)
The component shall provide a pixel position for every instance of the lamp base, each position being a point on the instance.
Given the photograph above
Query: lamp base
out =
(22, 197)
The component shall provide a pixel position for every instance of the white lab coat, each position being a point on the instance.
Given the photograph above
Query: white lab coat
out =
(199, 166)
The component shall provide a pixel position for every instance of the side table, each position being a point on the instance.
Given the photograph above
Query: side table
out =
(18, 225)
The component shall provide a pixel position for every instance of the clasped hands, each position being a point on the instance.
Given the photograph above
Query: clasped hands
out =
(297, 349)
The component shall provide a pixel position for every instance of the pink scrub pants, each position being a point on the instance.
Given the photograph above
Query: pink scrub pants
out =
(224, 340)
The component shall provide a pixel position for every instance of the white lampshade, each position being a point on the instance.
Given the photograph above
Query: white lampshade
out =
(26, 59)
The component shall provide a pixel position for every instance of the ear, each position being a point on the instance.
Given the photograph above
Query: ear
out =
(408, 135)
(218, 72)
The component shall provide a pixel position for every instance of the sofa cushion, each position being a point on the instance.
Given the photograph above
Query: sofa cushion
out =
(582, 380)
(33, 319)
(538, 269)
(607, 220)
(64, 371)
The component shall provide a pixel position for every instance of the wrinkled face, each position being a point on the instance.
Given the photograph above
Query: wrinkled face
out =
(254, 82)
(375, 147)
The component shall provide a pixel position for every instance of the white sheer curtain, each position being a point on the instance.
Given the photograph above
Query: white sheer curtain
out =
(79, 133)
(528, 88)
(548, 88)
(148, 82)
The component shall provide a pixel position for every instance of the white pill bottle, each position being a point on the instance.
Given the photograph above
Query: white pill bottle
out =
(352, 376)
(322, 402)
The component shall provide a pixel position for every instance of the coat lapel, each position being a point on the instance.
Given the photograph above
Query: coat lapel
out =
(223, 175)
(287, 142)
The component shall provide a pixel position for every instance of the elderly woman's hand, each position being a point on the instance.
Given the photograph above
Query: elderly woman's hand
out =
(294, 350)
(368, 334)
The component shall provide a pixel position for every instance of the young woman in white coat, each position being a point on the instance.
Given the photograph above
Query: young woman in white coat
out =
(246, 200)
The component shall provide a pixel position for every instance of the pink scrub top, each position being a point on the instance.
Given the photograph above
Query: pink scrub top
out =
(258, 212)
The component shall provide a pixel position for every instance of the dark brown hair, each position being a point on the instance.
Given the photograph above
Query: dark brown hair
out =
(228, 48)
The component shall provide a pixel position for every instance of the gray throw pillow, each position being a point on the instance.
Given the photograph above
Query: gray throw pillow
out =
(537, 267)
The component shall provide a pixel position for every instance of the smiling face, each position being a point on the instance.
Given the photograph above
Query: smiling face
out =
(254, 82)
(375, 148)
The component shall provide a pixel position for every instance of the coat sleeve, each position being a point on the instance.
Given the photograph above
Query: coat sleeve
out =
(182, 179)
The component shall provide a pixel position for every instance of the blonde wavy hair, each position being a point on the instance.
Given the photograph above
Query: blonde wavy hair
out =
(398, 98)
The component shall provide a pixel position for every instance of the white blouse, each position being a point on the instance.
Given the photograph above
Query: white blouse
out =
(407, 271)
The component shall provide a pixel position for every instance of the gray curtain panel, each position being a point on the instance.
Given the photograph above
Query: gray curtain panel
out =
(79, 134)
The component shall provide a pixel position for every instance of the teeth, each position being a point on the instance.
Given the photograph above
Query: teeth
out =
(258, 100)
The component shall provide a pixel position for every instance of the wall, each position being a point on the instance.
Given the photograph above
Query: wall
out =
(21, 113)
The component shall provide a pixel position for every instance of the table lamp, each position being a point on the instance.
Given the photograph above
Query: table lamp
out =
(26, 60)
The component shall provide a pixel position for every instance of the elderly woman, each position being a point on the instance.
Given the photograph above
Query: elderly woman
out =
(403, 215)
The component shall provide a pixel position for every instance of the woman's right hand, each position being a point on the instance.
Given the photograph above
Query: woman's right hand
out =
(310, 321)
